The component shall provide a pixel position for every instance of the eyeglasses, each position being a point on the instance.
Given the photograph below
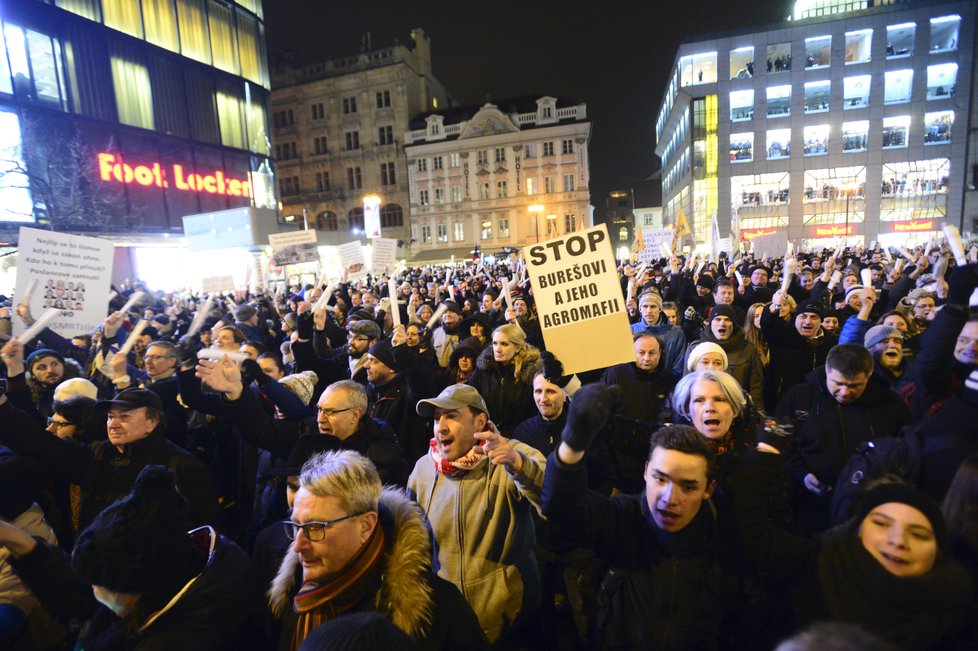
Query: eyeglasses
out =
(58, 424)
(153, 358)
(330, 413)
(353, 337)
(314, 531)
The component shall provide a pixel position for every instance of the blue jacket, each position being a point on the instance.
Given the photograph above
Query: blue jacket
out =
(673, 338)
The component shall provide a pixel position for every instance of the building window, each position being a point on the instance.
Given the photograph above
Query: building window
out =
(895, 132)
(423, 197)
(355, 218)
(439, 195)
(855, 92)
(383, 99)
(484, 190)
(501, 189)
(549, 186)
(327, 221)
(289, 185)
(817, 140)
(283, 118)
(354, 180)
(437, 162)
(741, 105)
(937, 127)
(570, 223)
(552, 230)
(897, 86)
(531, 185)
(500, 154)
(486, 233)
(858, 46)
(503, 228)
(742, 63)
(817, 96)
(778, 144)
(133, 93)
(835, 184)
(741, 147)
(286, 151)
(349, 105)
(422, 164)
(944, 33)
(352, 140)
(318, 111)
(899, 40)
(426, 234)
(779, 57)
(855, 135)
(566, 146)
(453, 160)
(530, 149)
(916, 188)
(750, 190)
(941, 79)
(387, 174)
(482, 157)
(442, 232)
(385, 135)
(818, 51)
(319, 145)
(778, 101)
(456, 193)
(391, 215)
(160, 21)
(698, 69)
(568, 182)
(322, 181)
(192, 20)
(548, 148)
(459, 229)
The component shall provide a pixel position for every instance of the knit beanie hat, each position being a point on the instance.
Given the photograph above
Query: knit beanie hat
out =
(363, 631)
(878, 333)
(139, 544)
(813, 307)
(650, 296)
(852, 290)
(383, 351)
(904, 494)
(365, 328)
(289, 320)
(245, 312)
(705, 281)
(40, 354)
(722, 309)
(21, 481)
(699, 350)
(76, 386)
(301, 384)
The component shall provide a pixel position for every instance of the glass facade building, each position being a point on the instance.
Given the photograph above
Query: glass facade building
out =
(851, 122)
(126, 115)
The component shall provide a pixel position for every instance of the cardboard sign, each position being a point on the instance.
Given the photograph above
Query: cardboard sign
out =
(217, 284)
(653, 244)
(384, 255)
(293, 248)
(69, 273)
(770, 245)
(352, 261)
(579, 301)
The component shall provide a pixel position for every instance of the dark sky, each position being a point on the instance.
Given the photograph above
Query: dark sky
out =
(613, 55)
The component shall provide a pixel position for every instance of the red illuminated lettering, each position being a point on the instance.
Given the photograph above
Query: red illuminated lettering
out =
(112, 168)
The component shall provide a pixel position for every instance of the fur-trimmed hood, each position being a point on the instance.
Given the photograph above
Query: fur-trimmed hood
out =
(405, 593)
(531, 363)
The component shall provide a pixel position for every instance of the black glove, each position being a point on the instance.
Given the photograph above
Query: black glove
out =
(961, 283)
(303, 325)
(187, 349)
(252, 370)
(589, 413)
(771, 432)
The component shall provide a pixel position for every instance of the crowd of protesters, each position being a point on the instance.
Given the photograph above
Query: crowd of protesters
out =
(364, 470)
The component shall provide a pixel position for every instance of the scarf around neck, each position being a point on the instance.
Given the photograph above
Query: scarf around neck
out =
(317, 603)
(470, 461)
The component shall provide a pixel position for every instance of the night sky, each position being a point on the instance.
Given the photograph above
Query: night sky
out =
(615, 56)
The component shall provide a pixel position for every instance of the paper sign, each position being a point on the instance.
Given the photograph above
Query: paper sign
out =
(385, 254)
(293, 248)
(216, 284)
(73, 275)
(579, 302)
(352, 261)
(656, 243)
(771, 245)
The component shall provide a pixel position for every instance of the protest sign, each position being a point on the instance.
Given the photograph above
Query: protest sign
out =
(771, 245)
(352, 261)
(217, 284)
(293, 248)
(384, 255)
(653, 244)
(73, 274)
(579, 301)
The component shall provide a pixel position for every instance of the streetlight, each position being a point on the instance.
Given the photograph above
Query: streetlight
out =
(535, 208)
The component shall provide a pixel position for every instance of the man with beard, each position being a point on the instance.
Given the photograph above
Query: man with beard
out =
(45, 370)
(743, 360)
(446, 335)
(345, 363)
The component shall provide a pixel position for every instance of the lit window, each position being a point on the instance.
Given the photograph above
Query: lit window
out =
(899, 40)
(221, 20)
(568, 182)
(818, 51)
(134, 96)
(741, 105)
(895, 132)
(459, 228)
(123, 15)
(778, 101)
(192, 19)
(816, 140)
(501, 189)
(15, 197)
(817, 96)
(503, 228)
(778, 144)
(779, 57)
(741, 147)
(856, 92)
(941, 79)
(944, 33)
(442, 232)
(548, 149)
(858, 46)
(742, 63)
(897, 86)
(453, 159)
(566, 146)
(423, 197)
(937, 127)
(855, 135)
(698, 69)
(486, 229)
(35, 62)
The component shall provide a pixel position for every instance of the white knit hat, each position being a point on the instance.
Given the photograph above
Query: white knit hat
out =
(702, 349)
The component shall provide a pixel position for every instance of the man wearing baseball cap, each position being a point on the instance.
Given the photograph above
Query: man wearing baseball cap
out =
(479, 490)
(106, 470)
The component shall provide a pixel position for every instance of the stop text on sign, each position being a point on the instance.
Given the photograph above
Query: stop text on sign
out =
(113, 168)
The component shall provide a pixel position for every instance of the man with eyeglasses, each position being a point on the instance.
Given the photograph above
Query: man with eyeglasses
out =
(345, 362)
(357, 546)
(160, 376)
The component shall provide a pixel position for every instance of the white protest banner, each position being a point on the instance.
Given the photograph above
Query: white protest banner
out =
(579, 302)
(385, 254)
(770, 246)
(352, 261)
(73, 275)
(293, 248)
(724, 244)
(654, 243)
(371, 216)
(216, 284)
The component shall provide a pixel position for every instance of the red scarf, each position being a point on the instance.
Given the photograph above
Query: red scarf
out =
(471, 460)
(317, 603)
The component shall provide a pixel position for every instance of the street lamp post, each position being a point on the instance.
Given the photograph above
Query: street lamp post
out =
(535, 209)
